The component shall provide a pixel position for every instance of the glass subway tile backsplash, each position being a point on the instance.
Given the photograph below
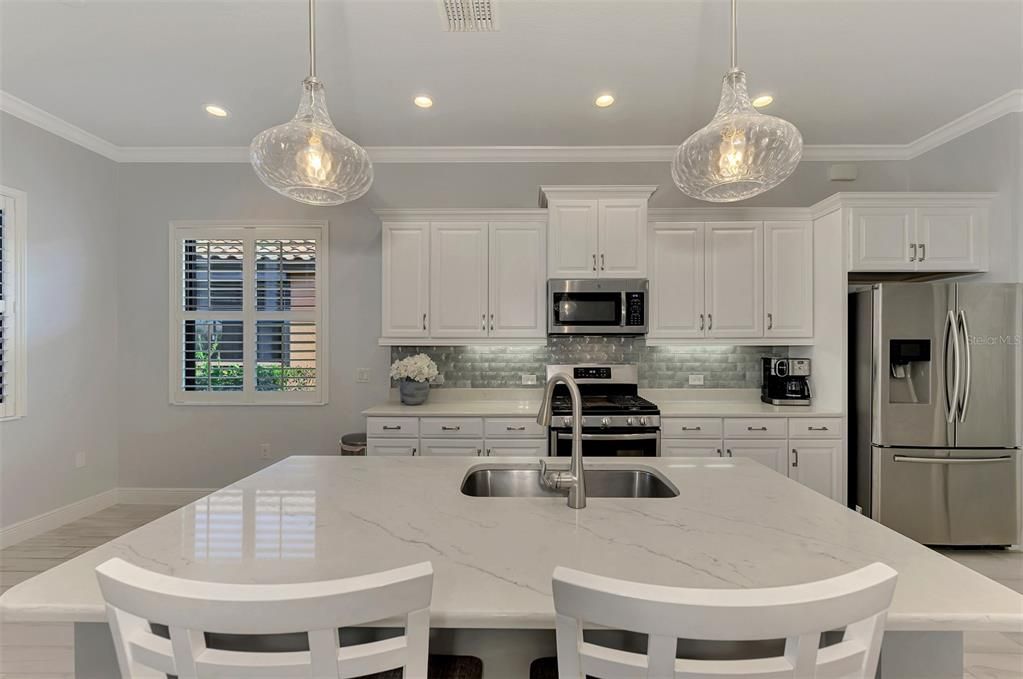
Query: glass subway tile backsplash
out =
(660, 367)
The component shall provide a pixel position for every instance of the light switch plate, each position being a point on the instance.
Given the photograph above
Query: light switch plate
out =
(696, 380)
(362, 375)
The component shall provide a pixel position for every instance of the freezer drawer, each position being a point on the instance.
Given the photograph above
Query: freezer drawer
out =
(947, 497)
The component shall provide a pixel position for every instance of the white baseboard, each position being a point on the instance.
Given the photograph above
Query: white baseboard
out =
(161, 496)
(55, 518)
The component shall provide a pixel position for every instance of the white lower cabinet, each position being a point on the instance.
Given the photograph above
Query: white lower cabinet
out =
(691, 448)
(771, 454)
(452, 446)
(812, 463)
(510, 447)
(392, 446)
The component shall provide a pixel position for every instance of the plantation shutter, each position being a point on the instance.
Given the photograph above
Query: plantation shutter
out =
(249, 319)
(10, 331)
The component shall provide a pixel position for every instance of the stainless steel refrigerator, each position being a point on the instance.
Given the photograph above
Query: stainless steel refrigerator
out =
(935, 397)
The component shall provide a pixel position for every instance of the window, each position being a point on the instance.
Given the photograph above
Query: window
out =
(248, 320)
(13, 211)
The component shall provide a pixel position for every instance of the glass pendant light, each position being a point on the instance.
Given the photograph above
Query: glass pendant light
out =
(742, 152)
(306, 158)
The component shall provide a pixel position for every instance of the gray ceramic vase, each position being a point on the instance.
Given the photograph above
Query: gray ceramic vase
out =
(413, 393)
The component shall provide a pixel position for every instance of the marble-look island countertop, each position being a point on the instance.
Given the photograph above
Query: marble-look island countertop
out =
(735, 524)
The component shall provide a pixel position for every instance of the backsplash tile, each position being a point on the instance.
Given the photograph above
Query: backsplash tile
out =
(660, 367)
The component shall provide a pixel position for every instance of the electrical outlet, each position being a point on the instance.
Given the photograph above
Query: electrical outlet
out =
(528, 379)
(264, 451)
(80, 459)
(362, 375)
(696, 380)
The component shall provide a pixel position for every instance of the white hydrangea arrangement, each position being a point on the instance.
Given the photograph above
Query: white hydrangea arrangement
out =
(418, 368)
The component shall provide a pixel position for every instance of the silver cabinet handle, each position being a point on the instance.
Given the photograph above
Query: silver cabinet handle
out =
(952, 405)
(510, 428)
(912, 257)
(756, 428)
(601, 261)
(728, 451)
(489, 451)
(491, 322)
(969, 372)
(795, 457)
(770, 321)
(396, 427)
(424, 321)
(414, 451)
(479, 452)
(719, 452)
(445, 427)
(594, 262)
(484, 322)
(817, 428)
(710, 321)
(923, 251)
(612, 437)
(957, 460)
(701, 321)
(684, 428)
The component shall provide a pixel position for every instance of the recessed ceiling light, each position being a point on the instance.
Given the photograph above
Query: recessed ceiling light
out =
(216, 111)
(763, 100)
(423, 101)
(604, 100)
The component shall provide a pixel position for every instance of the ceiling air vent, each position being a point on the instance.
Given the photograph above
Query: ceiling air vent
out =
(468, 16)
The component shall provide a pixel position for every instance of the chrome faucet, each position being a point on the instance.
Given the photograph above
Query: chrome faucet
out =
(574, 479)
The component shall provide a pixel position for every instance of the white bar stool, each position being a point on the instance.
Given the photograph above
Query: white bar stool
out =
(137, 597)
(856, 602)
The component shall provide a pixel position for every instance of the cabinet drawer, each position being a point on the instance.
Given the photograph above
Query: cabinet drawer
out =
(392, 446)
(392, 426)
(691, 427)
(514, 427)
(691, 448)
(756, 427)
(471, 447)
(519, 446)
(815, 427)
(451, 426)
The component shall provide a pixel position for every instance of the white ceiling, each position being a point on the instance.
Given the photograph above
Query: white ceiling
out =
(136, 72)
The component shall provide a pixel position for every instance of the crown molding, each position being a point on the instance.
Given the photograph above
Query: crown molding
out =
(461, 215)
(1010, 102)
(846, 199)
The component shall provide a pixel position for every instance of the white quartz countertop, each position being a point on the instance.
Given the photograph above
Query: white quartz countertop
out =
(735, 524)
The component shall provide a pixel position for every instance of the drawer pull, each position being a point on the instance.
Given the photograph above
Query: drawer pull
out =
(388, 427)
(445, 427)
(824, 428)
(414, 451)
(795, 457)
(756, 428)
(728, 451)
(520, 428)
(719, 452)
(684, 428)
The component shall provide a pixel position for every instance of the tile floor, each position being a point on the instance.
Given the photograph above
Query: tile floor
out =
(987, 655)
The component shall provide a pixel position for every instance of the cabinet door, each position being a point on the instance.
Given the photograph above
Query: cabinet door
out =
(813, 463)
(950, 239)
(676, 280)
(392, 447)
(526, 447)
(572, 239)
(771, 454)
(734, 279)
(470, 447)
(691, 448)
(518, 280)
(788, 279)
(406, 282)
(458, 279)
(621, 236)
(880, 239)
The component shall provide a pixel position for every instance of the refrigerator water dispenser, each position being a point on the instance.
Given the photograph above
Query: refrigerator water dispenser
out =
(909, 377)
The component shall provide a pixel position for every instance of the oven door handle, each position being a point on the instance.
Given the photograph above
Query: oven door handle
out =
(612, 437)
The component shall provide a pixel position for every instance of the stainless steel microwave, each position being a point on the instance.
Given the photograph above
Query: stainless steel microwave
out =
(597, 306)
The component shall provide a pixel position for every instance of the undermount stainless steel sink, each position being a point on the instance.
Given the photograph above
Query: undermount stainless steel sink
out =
(524, 481)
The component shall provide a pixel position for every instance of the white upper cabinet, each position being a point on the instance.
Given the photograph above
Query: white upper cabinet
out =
(734, 267)
(406, 279)
(518, 291)
(597, 231)
(676, 280)
(788, 279)
(458, 279)
(929, 236)
(621, 237)
(572, 239)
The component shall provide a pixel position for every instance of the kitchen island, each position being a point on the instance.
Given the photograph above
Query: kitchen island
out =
(734, 523)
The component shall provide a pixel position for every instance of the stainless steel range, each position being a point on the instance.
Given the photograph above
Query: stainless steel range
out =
(617, 422)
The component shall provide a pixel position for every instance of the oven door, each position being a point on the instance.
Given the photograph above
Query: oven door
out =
(595, 307)
(630, 442)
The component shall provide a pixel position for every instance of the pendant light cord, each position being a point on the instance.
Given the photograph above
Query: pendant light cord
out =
(312, 39)
(734, 47)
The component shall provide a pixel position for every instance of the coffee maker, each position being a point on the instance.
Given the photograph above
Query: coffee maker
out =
(786, 381)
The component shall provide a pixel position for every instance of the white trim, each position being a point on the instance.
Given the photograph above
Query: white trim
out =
(1010, 102)
(728, 214)
(576, 192)
(898, 199)
(16, 300)
(55, 518)
(177, 497)
(461, 215)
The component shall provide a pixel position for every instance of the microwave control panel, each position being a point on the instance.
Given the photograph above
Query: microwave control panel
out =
(634, 308)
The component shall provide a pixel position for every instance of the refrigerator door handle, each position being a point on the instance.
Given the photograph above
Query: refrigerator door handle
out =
(952, 331)
(969, 372)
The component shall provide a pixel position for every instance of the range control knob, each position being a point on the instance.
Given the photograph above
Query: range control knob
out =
(567, 421)
(642, 421)
(605, 421)
(630, 421)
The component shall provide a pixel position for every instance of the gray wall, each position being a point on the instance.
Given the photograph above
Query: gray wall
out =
(723, 367)
(71, 320)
